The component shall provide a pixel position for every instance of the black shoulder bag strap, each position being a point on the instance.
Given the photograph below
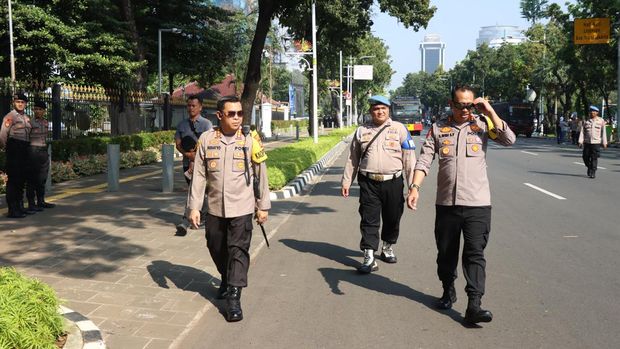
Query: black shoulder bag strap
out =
(191, 125)
(371, 141)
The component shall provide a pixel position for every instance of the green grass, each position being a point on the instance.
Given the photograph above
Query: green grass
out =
(29, 316)
(285, 163)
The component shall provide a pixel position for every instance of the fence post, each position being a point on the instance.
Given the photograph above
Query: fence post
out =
(167, 112)
(56, 112)
(167, 163)
(297, 131)
(114, 157)
(48, 182)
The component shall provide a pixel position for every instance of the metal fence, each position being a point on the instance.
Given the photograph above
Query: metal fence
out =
(78, 110)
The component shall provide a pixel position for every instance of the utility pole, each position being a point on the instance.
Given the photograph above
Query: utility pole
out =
(315, 97)
(11, 46)
(340, 95)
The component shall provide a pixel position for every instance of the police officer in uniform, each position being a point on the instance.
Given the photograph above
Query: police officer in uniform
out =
(463, 201)
(15, 138)
(382, 156)
(186, 138)
(591, 136)
(233, 165)
(39, 160)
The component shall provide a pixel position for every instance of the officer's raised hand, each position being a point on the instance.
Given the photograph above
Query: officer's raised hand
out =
(194, 218)
(483, 106)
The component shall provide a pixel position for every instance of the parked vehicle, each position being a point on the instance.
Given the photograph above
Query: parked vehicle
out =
(519, 116)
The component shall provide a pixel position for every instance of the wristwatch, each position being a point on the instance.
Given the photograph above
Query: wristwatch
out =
(413, 185)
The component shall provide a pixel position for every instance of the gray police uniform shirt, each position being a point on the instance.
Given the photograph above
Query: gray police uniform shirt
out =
(201, 125)
(593, 132)
(16, 126)
(462, 177)
(38, 134)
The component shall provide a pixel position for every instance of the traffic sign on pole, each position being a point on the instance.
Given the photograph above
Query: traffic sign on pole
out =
(592, 31)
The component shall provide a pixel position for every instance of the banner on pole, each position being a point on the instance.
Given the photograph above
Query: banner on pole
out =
(362, 72)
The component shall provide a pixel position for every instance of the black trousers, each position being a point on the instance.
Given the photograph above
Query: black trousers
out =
(475, 223)
(380, 201)
(16, 170)
(590, 155)
(37, 173)
(228, 240)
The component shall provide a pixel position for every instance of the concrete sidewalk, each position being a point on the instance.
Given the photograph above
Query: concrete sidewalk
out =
(114, 256)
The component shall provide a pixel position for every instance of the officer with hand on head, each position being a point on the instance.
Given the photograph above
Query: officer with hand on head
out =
(39, 160)
(591, 136)
(463, 201)
(230, 166)
(382, 156)
(15, 138)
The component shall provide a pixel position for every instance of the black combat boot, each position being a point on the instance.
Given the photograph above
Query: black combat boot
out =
(15, 211)
(233, 299)
(42, 204)
(589, 173)
(474, 314)
(222, 292)
(448, 298)
(26, 211)
(33, 207)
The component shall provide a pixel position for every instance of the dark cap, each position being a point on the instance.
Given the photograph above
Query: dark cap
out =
(40, 104)
(21, 97)
(374, 100)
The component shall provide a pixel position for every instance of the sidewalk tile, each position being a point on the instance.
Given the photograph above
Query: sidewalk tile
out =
(160, 331)
(120, 326)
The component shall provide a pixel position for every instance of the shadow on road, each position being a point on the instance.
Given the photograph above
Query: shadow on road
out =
(558, 174)
(374, 282)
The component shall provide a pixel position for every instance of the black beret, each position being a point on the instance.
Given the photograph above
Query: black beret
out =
(21, 96)
(40, 104)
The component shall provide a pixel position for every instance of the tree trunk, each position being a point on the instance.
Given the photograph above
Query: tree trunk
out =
(170, 82)
(127, 15)
(252, 77)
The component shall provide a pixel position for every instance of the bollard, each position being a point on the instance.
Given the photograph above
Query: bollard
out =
(48, 182)
(297, 131)
(167, 163)
(290, 133)
(114, 162)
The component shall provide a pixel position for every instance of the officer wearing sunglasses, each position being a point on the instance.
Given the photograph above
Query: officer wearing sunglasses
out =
(233, 165)
(463, 203)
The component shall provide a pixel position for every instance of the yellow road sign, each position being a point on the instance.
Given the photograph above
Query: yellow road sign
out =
(592, 31)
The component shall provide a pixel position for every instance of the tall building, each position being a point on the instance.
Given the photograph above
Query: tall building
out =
(497, 35)
(231, 4)
(432, 51)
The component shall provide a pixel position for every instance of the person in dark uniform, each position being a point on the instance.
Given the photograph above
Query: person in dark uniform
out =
(39, 160)
(382, 157)
(463, 203)
(15, 138)
(233, 164)
(186, 138)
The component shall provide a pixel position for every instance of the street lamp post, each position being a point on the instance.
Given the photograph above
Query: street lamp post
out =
(172, 30)
(11, 44)
(315, 97)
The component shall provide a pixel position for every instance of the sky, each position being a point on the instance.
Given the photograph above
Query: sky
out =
(457, 22)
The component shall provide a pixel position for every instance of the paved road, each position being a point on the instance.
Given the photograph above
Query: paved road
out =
(552, 268)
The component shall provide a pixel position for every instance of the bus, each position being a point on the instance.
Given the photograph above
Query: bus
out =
(408, 111)
(519, 116)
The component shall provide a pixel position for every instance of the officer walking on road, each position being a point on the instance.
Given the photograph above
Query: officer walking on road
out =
(382, 152)
(233, 164)
(39, 160)
(15, 138)
(463, 201)
(186, 138)
(591, 136)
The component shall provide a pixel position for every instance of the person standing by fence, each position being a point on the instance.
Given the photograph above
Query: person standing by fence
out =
(39, 160)
(15, 138)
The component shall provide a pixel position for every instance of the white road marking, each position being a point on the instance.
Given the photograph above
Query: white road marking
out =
(571, 236)
(527, 152)
(545, 191)
(581, 163)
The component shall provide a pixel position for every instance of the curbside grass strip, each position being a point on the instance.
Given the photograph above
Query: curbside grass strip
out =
(299, 183)
(91, 334)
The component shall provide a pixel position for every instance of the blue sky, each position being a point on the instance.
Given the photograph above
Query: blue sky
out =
(458, 23)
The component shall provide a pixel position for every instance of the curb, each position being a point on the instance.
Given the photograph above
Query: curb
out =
(299, 183)
(91, 334)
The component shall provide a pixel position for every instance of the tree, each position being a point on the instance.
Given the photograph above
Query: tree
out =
(533, 10)
(340, 22)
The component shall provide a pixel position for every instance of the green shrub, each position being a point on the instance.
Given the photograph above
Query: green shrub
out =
(284, 124)
(3, 179)
(28, 312)
(285, 163)
(89, 165)
(62, 171)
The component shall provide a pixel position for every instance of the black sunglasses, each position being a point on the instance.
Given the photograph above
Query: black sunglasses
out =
(468, 106)
(232, 114)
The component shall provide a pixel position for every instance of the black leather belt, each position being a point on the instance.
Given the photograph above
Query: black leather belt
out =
(38, 147)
